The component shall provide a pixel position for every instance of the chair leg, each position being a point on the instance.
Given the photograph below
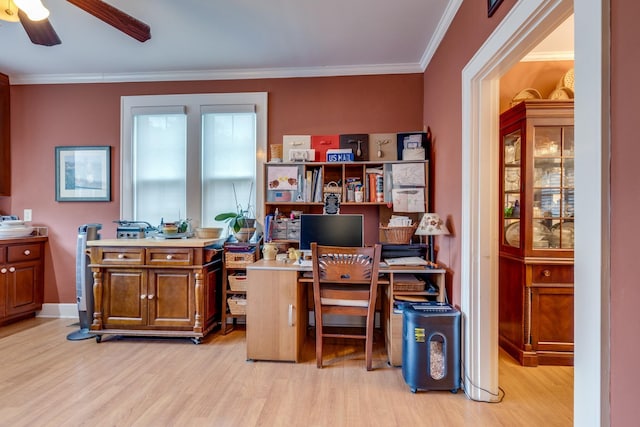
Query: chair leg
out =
(368, 346)
(319, 341)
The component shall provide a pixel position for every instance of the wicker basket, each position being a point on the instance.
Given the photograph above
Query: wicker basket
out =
(238, 259)
(238, 282)
(237, 306)
(398, 235)
(407, 283)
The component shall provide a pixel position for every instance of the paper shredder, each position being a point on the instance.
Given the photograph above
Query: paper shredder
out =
(431, 346)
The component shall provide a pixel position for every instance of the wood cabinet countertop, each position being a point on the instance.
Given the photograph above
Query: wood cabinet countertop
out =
(147, 243)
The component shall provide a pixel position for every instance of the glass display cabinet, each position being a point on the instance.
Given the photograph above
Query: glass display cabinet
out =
(536, 217)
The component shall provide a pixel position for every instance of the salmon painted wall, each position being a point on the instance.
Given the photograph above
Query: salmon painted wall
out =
(625, 205)
(46, 116)
(443, 114)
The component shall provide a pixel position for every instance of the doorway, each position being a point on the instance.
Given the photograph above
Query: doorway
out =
(527, 24)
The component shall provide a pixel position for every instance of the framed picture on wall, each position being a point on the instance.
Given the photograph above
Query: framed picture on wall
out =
(83, 174)
(493, 6)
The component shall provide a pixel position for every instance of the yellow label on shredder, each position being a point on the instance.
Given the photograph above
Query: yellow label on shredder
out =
(419, 334)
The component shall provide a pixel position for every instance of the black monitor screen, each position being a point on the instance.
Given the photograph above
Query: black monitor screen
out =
(331, 230)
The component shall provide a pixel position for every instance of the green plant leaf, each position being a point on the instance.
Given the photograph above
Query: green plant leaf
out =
(225, 216)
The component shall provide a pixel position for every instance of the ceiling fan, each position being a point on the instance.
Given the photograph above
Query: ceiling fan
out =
(34, 18)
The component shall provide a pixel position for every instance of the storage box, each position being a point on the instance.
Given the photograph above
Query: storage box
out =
(237, 305)
(358, 143)
(322, 143)
(382, 146)
(294, 142)
(413, 142)
(238, 282)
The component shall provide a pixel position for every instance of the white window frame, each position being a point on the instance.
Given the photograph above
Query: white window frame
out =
(191, 103)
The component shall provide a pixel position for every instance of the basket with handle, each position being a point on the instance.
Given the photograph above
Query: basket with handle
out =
(398, 235)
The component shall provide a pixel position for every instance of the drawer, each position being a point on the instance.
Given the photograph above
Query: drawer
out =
(17, 253)
(552, 274)
(169, 256)
(126, 256)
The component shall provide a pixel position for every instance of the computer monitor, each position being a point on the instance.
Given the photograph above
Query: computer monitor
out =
(331, 230)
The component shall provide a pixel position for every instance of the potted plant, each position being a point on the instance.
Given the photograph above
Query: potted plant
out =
(240, 222)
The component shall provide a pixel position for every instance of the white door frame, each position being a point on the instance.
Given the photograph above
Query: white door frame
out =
(527, 24)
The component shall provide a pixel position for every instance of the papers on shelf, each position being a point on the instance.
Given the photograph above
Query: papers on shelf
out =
(408, 260)
(408, 199)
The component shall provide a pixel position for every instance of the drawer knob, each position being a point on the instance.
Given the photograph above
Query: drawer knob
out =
(169, 257)
(12, 269)
(27, 252)
(546, 273)
(120, 256)
(151, 296)
(143, 296)
(4, 270)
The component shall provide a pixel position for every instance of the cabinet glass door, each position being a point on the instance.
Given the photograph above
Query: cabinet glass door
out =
(511, 188)
(553, 188)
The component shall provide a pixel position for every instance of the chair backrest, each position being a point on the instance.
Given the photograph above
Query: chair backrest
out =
(337, 265)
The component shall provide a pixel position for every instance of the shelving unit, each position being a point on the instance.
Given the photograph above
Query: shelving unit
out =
(237, 255)
(302, 187)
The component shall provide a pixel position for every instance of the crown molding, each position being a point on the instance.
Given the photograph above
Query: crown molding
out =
(272, 73)
(439, 33)
(548, 56)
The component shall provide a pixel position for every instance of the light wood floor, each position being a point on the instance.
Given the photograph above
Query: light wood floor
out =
(46, 380)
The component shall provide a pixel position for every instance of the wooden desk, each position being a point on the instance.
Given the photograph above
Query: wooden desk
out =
(277, 316)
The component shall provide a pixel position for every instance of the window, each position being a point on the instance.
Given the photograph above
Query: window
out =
(183, 156)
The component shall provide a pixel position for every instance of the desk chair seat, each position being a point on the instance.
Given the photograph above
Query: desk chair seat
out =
(345, 282)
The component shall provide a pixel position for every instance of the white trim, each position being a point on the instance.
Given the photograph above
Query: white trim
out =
(193, 102)
(526, 24)
(61, 311)
(439, 33)
(548, 57)
(592, 200)
(267, 73)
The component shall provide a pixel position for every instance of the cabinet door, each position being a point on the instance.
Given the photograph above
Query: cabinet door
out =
(124, 298)
(275, 315)
(552, 319)
(171, 298)
(22, 290)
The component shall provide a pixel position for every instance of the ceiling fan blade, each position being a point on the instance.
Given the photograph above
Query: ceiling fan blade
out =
(40, 32)
(116, 18)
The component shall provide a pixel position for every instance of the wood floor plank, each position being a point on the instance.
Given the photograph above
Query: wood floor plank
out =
(46, 380)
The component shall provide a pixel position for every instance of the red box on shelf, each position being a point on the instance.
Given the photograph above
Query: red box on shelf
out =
(322, 143)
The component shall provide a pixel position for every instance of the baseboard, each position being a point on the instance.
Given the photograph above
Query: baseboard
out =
(59, 311)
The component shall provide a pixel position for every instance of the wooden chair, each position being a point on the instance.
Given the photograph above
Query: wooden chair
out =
(345, 282)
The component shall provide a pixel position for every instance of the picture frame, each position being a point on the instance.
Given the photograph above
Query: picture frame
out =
(83, 174)
(492, 6)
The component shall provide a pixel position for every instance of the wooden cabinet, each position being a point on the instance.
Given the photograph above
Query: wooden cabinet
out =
(155, 291)
(5, 137)
(21, 278)
(434, 289)
(276, 315)
(237, 257)
(536, 216)
(317, 187)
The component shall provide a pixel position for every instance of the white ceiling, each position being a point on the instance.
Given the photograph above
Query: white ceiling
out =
(224, 39)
